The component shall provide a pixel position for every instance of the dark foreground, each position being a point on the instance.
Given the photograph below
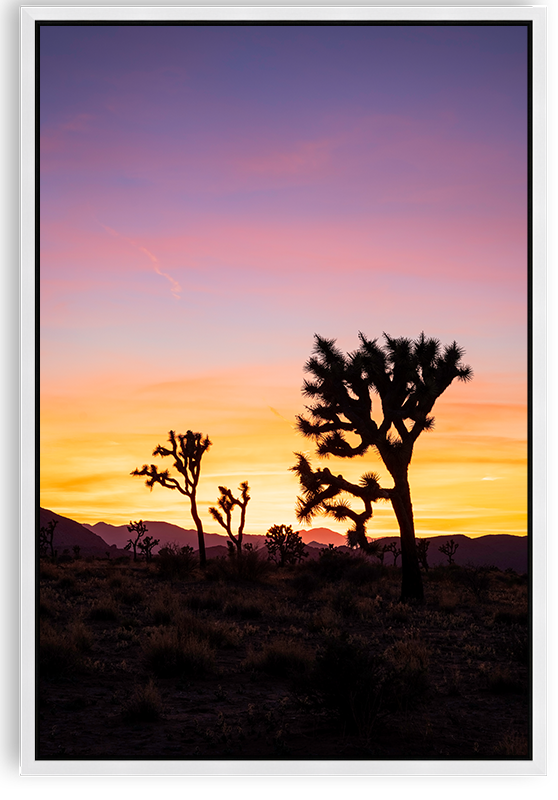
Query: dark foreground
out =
(318, 661)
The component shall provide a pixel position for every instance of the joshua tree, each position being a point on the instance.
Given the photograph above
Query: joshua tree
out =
(407, 376)
(393, 548)
(284, 546)
(449, 549)
(226, 503)
(187, 451)
(140, 529)
(422, 551)
(46, 537)
(146, 546)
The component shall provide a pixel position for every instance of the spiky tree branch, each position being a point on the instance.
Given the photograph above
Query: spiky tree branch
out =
(325, 493)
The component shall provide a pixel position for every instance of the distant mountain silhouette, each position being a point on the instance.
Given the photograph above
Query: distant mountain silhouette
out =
(69, 533)
(497, 550)
(500, 550)
(322, 536)
(166, 532)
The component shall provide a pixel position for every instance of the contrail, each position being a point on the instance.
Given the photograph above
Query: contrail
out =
(175, 286)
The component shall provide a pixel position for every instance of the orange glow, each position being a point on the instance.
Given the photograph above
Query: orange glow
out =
(467, 476)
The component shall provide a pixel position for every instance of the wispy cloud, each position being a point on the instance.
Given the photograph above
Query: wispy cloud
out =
(175, 286)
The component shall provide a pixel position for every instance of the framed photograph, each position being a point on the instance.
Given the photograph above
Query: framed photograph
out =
(283, 352)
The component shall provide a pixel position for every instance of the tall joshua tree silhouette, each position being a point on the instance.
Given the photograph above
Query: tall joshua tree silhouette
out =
(407, 376)
(226, 504)
(187, 450)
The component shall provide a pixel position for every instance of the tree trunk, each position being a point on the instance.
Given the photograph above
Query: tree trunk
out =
(411, 578)
(199, 527)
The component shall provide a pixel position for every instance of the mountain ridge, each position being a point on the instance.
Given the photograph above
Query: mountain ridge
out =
(503, 551)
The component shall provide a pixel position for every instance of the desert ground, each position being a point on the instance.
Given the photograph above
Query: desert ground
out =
(246, 660)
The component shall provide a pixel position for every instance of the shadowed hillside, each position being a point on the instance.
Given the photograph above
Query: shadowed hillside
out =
(69, 534)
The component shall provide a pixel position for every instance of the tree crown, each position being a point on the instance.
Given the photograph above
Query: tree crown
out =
(406, 375)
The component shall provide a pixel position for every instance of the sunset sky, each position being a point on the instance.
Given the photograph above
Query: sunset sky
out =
(213, 196)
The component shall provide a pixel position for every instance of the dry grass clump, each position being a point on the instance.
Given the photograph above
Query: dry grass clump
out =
(216, 632)
(212, 599)
(62, 652)
(128, 593)
(513, 745)
(326, 619)
(144, 705)
(172, 653)
(499, 679)
(48, 571)
(104, 610)
(347, 680)
(281, 658)
(252, 566)
(245, 607)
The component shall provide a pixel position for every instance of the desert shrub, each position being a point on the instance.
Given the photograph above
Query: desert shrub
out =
(49, 605)
(500, 680)
(171, 653)
(250, 566)
(61, 652)
(475, 579)
(67, 584)
(81, 636)
(368, 608)
(407, 674)
(216, 632)
(348, 680)
(511, 617)
(453, 681)
(210, 600)
(173, 561)
(244, 607)
(447, 599)
(163, 608)
(104, 610)
(362, 572)
(144, 705)
(512, 745)
(304, 581)
(517, 645)
(326, 619)
(281, 658)
(129, 594)
(48, 571)
(332, 564)
(399, 613)
(343, 600)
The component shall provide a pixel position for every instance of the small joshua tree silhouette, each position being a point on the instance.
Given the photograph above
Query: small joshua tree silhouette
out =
(284, 546)
(46, 538)
(140, 529)
(226, 504)
(146, 546)
(449, 549)
(422, 550)
(393, 548)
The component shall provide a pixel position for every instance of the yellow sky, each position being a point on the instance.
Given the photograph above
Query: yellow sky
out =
(467, 476)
